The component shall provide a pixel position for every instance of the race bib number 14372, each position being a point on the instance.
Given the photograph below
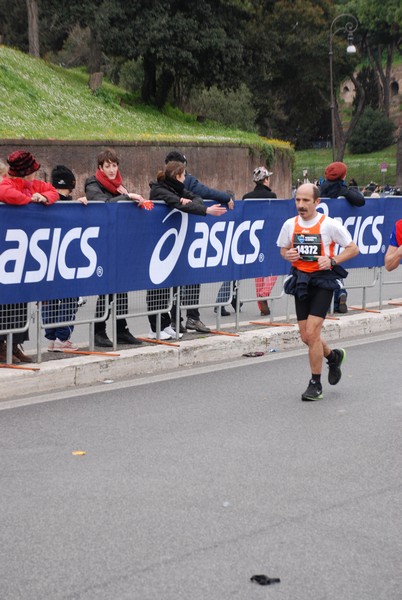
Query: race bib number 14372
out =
(308, 246)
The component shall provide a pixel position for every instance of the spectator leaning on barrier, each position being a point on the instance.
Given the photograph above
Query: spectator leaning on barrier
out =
(335, 186)
(190, 294)
(192, 184)
(57, 311)
(263, 285)
(170, 189)
(20, 187)
(107, 186)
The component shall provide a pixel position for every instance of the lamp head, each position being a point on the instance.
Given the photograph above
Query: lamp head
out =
(351, 49)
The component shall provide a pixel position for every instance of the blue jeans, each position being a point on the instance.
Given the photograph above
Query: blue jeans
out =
(337, 294)
(223, 293)
(58, 311)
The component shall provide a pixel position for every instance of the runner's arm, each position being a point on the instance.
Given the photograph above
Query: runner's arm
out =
(291, 254)
(348, 252)
(393, 257)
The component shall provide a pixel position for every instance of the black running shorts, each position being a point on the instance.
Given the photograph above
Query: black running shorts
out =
(317, 303)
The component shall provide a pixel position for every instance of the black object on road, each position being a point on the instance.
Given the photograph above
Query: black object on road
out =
(264, 579)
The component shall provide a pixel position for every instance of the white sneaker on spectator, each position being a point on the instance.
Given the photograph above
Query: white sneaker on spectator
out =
(163, 336)
(50, 345)
(170, 331)
(60, 346)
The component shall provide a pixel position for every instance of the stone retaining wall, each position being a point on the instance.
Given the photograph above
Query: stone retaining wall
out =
(226, 167)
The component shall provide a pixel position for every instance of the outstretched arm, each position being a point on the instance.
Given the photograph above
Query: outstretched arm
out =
(216, 210)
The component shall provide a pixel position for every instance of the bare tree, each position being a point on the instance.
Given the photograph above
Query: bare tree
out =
(33, 28)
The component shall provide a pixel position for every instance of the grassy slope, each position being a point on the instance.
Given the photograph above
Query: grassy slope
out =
(39, 100)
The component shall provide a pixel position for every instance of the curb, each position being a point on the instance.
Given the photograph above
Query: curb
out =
(80, 371)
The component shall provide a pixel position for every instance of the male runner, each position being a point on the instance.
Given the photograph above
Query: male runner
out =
(308, 241)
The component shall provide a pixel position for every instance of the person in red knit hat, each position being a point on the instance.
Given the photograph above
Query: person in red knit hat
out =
(335, 186)
(20, 187)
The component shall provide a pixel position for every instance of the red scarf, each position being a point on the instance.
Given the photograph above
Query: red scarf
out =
(115, 186)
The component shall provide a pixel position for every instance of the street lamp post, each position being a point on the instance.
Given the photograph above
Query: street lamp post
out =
(349, 27)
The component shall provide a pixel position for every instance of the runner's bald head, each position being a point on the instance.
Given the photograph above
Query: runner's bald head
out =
(308, 189)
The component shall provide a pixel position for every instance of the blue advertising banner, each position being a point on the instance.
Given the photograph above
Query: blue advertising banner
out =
(68, 249)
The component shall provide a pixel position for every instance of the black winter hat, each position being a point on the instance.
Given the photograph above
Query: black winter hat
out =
(176, 156)
(63, 178)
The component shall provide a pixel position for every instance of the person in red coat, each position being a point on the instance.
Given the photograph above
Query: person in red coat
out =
(19, 187)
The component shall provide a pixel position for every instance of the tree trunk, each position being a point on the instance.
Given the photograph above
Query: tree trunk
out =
(383, 76)
(377, 76)
(387, 83)
(342, 137)
(95, 53)
(95, 60)
(164, 86)
(148, 90)
(95, 81)
(339, 137)
(33, 28)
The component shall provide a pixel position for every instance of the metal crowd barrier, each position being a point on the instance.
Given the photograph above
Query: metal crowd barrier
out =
(387, 278)
(136, 304)
(14, 319)
(363, 279)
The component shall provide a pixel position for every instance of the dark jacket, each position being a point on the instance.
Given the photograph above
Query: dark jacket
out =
(95, 191)
(297, 282)
(334, 189)
(196, 187)
(260, 191)
(164, 192)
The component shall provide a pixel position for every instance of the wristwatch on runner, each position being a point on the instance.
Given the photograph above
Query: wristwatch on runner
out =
(333, 262)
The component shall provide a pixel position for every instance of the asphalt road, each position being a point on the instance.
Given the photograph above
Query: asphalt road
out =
(193, 483)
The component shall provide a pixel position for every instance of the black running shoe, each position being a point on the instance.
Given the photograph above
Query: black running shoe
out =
(335, 373)
(313, 392)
